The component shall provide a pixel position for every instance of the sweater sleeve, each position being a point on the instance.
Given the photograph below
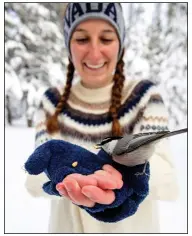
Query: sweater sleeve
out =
(40, 185)
(163, 182)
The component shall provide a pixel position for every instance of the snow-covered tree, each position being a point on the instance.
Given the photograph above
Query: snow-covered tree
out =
(34, 49)
(156, 49)
(167, 55)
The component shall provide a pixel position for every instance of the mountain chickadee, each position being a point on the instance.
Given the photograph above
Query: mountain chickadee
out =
(134, 149)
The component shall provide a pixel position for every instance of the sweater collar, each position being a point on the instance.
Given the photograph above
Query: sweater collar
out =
(88, 95)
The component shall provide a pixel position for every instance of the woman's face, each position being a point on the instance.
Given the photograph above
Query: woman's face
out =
(94, 48)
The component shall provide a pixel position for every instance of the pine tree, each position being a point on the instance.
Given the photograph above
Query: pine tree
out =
(34, 46)
(36, 58)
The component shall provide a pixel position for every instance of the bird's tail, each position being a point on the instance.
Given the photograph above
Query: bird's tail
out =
(175, 132)
(151, 137)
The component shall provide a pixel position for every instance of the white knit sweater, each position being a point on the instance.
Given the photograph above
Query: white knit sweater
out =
(85, 121)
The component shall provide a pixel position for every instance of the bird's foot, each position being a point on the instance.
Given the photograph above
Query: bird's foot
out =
(141, 173)
(144, 169)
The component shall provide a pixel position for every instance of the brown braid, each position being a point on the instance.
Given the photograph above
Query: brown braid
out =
(52, 122)
(116, 97)
(52, 125)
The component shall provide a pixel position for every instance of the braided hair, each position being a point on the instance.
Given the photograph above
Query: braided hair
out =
(52, 122)
(116, 96)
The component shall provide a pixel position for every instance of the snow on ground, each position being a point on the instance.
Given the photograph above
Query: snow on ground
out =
(24, 214)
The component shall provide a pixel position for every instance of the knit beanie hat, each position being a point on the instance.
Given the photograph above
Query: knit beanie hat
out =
(78, 12)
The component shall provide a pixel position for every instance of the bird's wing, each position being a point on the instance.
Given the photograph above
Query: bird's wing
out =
(145, 139)
(122, 145)
(131, 142)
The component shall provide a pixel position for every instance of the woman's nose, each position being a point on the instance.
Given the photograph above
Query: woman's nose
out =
(95, 52)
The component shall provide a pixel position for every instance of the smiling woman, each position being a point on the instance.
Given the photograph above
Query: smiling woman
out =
(94, 48)
(102, 103)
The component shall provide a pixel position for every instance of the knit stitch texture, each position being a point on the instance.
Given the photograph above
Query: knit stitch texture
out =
(55, 158)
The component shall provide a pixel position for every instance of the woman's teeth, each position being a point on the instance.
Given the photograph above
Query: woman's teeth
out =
(95, 66)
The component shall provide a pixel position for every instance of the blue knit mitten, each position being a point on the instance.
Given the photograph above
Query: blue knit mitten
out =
(56, 158)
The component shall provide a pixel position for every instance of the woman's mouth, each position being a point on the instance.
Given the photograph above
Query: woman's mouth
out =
(94, 67)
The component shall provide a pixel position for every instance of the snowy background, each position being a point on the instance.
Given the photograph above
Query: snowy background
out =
(35, 58)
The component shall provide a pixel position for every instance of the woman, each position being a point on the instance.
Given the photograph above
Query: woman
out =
(103, 103)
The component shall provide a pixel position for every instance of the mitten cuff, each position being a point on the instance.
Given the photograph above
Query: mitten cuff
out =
(127, 199)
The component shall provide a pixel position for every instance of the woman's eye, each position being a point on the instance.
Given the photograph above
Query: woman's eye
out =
(86, 40)
(81, 40)
(107, 40)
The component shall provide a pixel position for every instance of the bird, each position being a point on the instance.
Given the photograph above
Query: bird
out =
(134, 149)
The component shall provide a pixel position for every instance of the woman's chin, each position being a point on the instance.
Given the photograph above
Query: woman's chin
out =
(95, 83)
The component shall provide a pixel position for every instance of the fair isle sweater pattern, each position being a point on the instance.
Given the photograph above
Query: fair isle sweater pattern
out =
(142, 110)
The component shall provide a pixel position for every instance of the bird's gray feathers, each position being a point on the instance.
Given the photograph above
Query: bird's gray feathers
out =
(139, 141)
(135, 149)
(109, 147)
(131, 142)
(137, 157)
(153, 137)
(175, 132)
(123, 144)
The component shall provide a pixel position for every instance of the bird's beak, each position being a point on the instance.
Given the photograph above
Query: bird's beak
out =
(97, 146)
